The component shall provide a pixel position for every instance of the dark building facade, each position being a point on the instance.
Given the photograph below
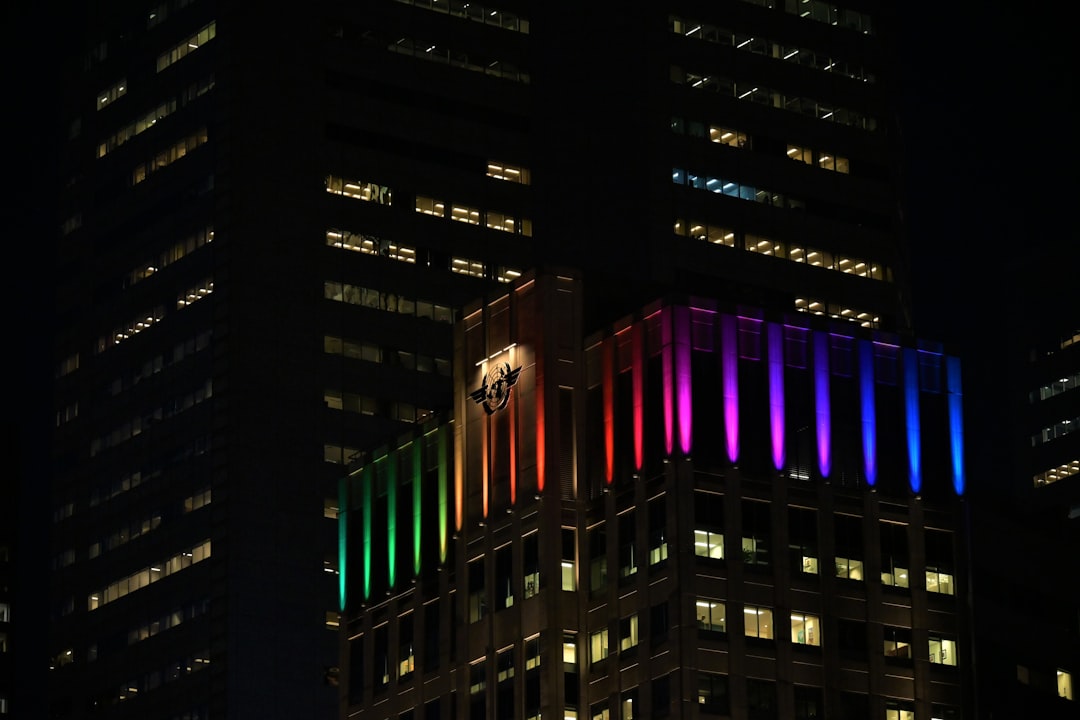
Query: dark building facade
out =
(700, 510)
(1027, 609)
(271, 221)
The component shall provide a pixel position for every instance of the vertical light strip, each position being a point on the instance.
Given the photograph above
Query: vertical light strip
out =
(541, 450)
(391, 515)
(512, 420)
(487, 461)
(459, 474)
(868, 406)
(668, 370)
(822, 403)
(637, 379)
(343, 539)
(729, 358)
(683, 375)
(607, 374)
(367, 481)
(417, 477)
(956, 422)
(444, 501)
(911, 412)
(776, 392)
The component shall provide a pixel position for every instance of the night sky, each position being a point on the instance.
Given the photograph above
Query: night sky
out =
(989, 127)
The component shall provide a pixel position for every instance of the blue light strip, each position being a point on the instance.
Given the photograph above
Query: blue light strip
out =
(911, 412)
(956, 422)
(869, 411)
(776, 393)
(822, 406)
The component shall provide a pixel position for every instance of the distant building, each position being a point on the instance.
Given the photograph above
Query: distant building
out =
(272, 217)
(702, 510)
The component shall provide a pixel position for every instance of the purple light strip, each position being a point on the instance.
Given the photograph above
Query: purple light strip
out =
(729, 358)
(911, 413)
(683, 377)
(956, 422)
(669, 381)
(869, 411)
(776, 392)
(821, 403)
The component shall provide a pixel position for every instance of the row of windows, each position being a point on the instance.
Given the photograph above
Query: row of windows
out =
(359, 190)
(722, 235)
(178, 616)
(390, 302)
(1056, 387)
(731, 188)
(171, 254)
(374, 245)
(825, 160)
(370, 352)
(509, 173)
(717, 133)
(1052, 432)
(492, 219)
(824, 12)
(180, 351)
(364, 405)
(150, 118)
(769, 48)
(154, 679)
(140, 423)
(772, 97)
(195, 293)
(477, 13)
(1065, 470)
(155, 315)
(169, 155)
(187, 46)
(140, 579)
(112, 93)
(863, 318)
(475, 62)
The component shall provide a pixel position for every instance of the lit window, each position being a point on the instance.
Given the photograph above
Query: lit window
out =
(709, 544)
(801, 154)
(465, 266)
(939, 582)
(112, 93)
(942, 651)
(628, 632)
(569, 649)
(182, 49)
(758, 622)
(711, 615)
(465, 214)
(430, 206)
(1064, 684)
(598, 645)
(805, 629)
(509, 173)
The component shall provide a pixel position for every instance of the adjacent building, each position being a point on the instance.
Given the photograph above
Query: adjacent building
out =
(698, 510)
(271, 221)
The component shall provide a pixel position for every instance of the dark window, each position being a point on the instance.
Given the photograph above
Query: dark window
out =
(658, 622)
(802, 540)
(808, 703)
(760, 699)
(661, 696)
(713, 694)
(756, 532)
(852, 639)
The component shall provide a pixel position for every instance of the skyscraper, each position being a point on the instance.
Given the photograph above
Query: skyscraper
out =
(271, 220)
(697, 511)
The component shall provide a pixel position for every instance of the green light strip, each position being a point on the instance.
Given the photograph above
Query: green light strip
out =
(444, 503)
(367, 479)
(417, 475)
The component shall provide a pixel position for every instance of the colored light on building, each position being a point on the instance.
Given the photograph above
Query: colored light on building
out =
(367, 479)
(444, 500)
(343, 540)
(911, 415)
(956, 422)
(608, 375)
(637, 379)
(417, 475)
(775, 338)
(868, 408)
(683, 375)
(729, 354)
(822, 403)
(668, 379)
(391, 514)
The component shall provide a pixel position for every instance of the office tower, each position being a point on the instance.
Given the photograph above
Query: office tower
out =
(1026, 534)
(698, 510)
(271, 219)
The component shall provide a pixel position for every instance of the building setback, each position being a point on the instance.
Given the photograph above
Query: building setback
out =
(271, 220)
(701, 510)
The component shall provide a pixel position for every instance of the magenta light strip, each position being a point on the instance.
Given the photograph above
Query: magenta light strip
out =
(669, 381)
(956, 422)
(637, 380)
(683, 377)
(868, 407)
(822, 407)
(729, 358)
(776, 392)
(911, 413)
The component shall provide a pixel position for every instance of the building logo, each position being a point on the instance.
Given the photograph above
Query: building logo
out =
(495, 392)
